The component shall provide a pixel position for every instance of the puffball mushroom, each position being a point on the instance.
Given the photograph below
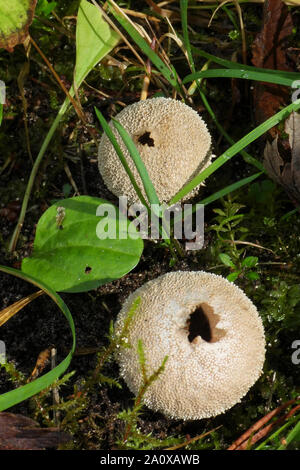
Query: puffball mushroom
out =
(173, 142)
(212, 335)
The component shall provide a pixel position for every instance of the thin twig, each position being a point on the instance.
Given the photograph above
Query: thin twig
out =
(255, 245)
(55, 393)
(76, 105)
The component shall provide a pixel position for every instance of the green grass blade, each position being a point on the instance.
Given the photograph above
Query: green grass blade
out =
(183, 9)
(119, 152)
(240, 73)
(236, 65)
(236, 148)
(221, 193)
(293, 435)
(275, 435)
(230, 188)
(186, 40)
(20, 394)
(144, 46)
(147, 183)
(248, 158)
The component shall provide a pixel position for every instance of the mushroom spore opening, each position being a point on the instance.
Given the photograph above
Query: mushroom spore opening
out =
(202, 322)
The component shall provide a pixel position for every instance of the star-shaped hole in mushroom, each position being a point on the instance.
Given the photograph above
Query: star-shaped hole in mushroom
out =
(202, 323)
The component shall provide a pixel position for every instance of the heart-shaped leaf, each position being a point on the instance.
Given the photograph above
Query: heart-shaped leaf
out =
(76, 250)
(15, 18)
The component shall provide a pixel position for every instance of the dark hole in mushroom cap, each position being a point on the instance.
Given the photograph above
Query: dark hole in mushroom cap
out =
(198, 325)
(145, 139)
(202, 322)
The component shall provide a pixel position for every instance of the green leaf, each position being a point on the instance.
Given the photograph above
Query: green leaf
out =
(44, 8)
(20, 394)
(68, 254)
(219, 211)
(252, 276)
(15, 18)
(94, 39)
(1, 113)
(294, 295)
(233, 276)
(226, 260)
(217, 195)
(250, 262)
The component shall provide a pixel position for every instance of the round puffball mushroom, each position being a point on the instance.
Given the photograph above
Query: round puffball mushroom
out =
(212, 335)
(173, 142)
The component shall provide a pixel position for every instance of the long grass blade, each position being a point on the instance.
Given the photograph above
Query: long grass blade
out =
(219, 194)
(186, 40)
(183, 9)
(240, 73)
(119, 152)
(293, 435)
(230, 188)
(275, 435)
(236, 65)
(20, 394)
(134, 153)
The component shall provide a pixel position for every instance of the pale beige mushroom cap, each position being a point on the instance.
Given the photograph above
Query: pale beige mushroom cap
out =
(173, 142)
(202, 377)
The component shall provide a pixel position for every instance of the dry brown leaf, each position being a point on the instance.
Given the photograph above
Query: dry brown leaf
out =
(41, 363)
(286, 173)
(269, 51)
(11, 310)
(292, 128)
